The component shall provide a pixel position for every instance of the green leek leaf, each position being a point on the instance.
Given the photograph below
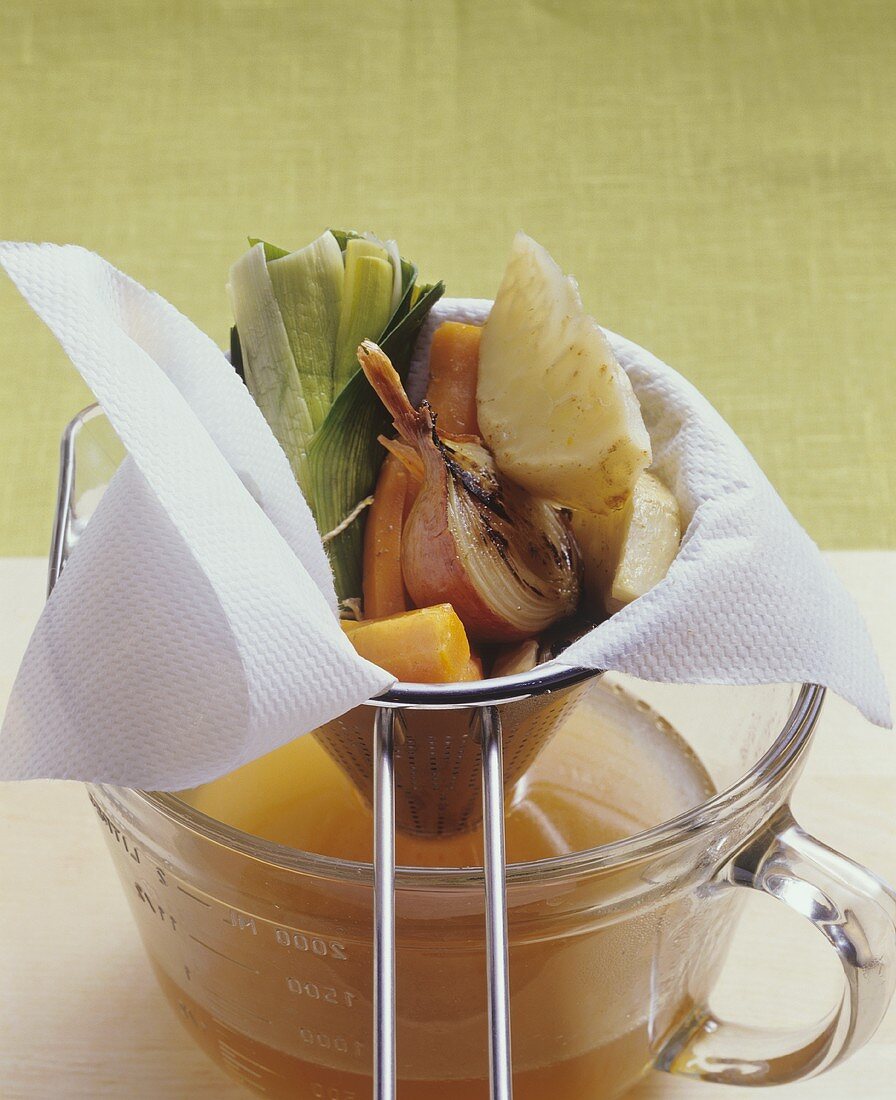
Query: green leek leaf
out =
(308, 286)
(345, 455)
(268, 365)
(271, 251)
(300, 317)
(366, 304)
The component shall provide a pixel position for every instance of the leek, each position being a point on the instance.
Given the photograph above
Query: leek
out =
(366, 306)
(308, 288)
(269, 369)
(391, 248)
(345, 455)
(397, 288)
(300, 317)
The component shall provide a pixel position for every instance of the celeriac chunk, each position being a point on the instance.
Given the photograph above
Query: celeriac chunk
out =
(628, 551)
(555, 408)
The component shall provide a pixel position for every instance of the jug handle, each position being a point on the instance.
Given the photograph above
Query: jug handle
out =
(855, 912)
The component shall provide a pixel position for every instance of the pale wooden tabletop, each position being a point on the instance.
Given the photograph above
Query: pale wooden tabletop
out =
(81, 1019)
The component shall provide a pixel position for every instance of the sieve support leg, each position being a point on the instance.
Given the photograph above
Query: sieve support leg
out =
(384, 905)
(501, 1078)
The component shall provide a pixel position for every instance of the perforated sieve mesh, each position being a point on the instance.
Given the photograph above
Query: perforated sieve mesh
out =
(437, 757)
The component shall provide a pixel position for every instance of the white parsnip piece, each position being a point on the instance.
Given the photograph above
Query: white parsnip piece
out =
(556, 409)
(628, 551)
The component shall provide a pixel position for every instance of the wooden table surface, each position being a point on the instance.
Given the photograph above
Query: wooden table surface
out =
(81, 1018)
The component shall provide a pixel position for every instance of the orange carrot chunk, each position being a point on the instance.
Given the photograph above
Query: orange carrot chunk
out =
(382, 583)
(425, 646)
(453, 372)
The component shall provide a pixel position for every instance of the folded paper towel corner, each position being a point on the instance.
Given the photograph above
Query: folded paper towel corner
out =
(194, 627)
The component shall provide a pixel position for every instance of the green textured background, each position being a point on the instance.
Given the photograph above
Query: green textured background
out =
(719, 175)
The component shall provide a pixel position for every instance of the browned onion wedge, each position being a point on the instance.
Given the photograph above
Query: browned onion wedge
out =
(506, 561)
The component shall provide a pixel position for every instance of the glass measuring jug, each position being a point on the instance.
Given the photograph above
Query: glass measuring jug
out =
(266, 951)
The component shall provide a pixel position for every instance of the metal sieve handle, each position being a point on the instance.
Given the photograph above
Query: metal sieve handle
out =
(494, 862)
(384, 905)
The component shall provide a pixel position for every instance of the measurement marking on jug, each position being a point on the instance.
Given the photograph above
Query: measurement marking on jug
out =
(144, 895)
(241, 922)
(226, 1002)
(244, 1057)
(315, 944)
(229, 958)
(116, 831)
(207, 904)
(242, 1066)
(331, 1042)
(320, 1091)
(327, 993)
(188, 1015)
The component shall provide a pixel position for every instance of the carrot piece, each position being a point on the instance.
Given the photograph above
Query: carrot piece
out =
(427, 646)
(454, 367)
(453, 372)
(382, 584)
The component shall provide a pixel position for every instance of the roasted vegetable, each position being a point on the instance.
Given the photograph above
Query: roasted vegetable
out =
(504, 559)
(555, 408)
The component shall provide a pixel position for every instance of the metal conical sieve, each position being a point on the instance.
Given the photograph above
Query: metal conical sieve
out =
(437, 755)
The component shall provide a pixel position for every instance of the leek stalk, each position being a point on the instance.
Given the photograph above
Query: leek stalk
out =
(367, 303)
(268, 365)
(300, 317)
(308, 287)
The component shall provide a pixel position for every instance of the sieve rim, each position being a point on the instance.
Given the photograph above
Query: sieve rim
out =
(551, 676)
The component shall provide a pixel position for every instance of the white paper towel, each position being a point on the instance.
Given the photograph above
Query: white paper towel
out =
(194, 626)
(749, 598)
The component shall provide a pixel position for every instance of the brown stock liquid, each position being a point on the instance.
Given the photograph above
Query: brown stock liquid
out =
(590, 1000)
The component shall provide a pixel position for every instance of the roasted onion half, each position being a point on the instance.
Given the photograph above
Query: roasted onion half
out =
(505, 560)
